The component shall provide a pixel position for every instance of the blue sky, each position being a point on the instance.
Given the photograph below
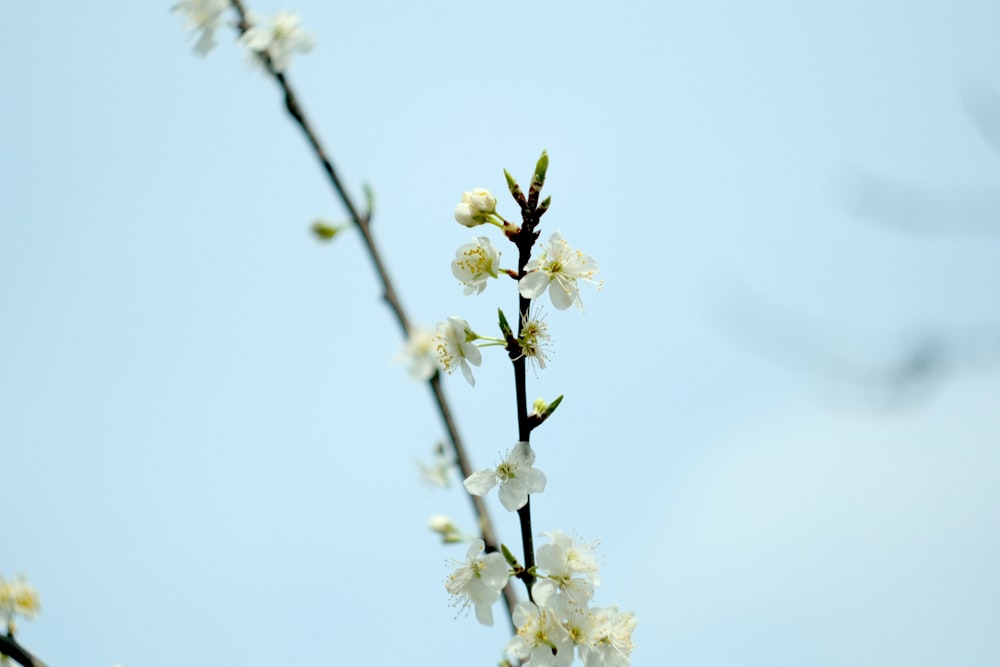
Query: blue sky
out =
(209, 456)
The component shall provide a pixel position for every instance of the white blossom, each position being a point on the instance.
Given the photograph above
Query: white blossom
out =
(17, 598)
(569, 567)
(454, 347)
(479, 581)
(610, 640)
(438, 471)
(476, 208)
(516, 476)
(558, 268)
(534, 338)
(202, 17)
(475, 263)
(419, 352)
(278, 37)
(541, 637)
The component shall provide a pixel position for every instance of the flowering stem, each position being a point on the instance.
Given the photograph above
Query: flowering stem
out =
(363, 222)
(524, 239)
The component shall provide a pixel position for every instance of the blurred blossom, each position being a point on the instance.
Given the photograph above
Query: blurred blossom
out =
(202, 17)
(419, 353)
(17, 598)
(278, 37)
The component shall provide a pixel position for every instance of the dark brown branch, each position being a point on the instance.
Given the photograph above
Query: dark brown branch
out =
(17, 653)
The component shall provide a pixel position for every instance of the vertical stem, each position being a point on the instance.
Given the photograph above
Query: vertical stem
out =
(524, 240)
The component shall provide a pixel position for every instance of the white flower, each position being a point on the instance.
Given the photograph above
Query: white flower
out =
(202, 16)
(278, 38)
(17, 598)
(570, 568)
(534, 338)
(438, 471)
(479, 581)
(453, 346)
(476, 207)
(558, 268)
(475, 263)
(515, 475)
(419, 352)
(610, 641)
(541, 638)
(443, 526)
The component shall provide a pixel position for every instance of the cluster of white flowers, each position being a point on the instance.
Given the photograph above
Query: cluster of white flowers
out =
(17, 598)
(560, 621)
(277, 37)
(558, 269)
(561, 618)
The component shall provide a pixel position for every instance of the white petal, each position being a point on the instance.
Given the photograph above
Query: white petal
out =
(467, 372)
(522, 454)
(472, 353)
(534, 479)
(513, 495)
(484, 614)
(562, 295)
(533, 285)
(494, 573)
(542, 591)
(479, 483)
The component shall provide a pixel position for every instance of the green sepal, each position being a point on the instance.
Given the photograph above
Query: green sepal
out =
(508, 556)
(504, 326)
(551, 408)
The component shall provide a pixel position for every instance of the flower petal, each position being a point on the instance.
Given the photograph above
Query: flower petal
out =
(533, 285)
(479, 483)
(562, 295)
(534, 480)
(513, 494)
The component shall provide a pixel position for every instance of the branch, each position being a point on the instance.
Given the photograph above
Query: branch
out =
(9, 647)
(363, 223)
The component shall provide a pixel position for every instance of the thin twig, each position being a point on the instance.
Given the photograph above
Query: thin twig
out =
(363, 223)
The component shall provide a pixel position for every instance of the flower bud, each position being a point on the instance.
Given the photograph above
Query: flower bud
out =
(481, 200)
(476, 207)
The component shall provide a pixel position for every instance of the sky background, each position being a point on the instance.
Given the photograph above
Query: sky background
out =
(782, 409)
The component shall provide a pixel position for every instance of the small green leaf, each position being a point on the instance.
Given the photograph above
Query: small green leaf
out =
(324, 231)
